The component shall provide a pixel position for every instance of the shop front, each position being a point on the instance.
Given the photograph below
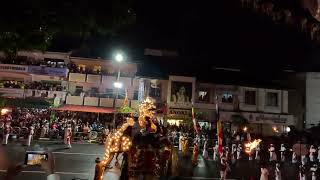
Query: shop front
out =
(179, 117)
(260, 123)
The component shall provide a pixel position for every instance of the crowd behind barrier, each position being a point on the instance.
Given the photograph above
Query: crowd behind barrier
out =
(47, 124)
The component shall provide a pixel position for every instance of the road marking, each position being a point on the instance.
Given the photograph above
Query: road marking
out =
(69, 153)
(42, 172)
(204, 178)
(73, 173)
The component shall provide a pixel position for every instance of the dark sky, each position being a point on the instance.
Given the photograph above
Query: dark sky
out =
(208, 35)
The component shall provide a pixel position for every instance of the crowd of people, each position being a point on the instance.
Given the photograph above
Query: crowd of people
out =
(44, 123)
(32, 85)
(271, 157)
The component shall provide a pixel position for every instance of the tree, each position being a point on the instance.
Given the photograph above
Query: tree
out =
(33, 24)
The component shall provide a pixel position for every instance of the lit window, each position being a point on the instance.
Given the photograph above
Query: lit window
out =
(82, 68)
(97, 69)
(203, 96)
(227, 98)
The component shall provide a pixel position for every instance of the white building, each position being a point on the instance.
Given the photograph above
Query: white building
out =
(83, 82)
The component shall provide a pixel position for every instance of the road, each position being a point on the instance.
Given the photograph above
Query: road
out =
(244, 169)
(78, 162)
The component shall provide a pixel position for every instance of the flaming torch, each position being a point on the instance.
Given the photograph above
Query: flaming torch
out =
(251, 145)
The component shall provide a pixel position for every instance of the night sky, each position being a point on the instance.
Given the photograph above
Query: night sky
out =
(206, 36)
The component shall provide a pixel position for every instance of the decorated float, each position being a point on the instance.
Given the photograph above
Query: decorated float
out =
(148, 151)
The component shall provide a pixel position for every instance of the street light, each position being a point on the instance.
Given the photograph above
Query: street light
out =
(117, 85)
(119, 57)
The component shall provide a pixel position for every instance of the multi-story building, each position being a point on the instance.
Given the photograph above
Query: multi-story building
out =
(265, 109)
(83, 83)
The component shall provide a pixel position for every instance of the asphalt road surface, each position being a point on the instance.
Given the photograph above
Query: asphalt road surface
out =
(78, 162)
(242, 170)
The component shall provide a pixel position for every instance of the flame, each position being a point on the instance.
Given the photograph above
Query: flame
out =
(251, 145)
(4, 111)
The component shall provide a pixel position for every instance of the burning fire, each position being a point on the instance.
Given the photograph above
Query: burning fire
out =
(251, 145)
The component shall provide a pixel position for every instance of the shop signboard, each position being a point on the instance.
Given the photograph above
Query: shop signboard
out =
(13, 68)
(50, 71)
(179, 113)
(260, 118)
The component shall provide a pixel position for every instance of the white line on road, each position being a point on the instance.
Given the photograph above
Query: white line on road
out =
(42, 172)
(69, 153)
(204, 178)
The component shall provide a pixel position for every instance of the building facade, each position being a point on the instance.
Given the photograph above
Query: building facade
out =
(78, 81)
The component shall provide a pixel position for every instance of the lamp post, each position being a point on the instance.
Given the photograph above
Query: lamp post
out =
(117, 85)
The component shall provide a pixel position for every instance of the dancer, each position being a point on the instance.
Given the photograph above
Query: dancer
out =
(205, 146)
(224, 167)
(312, 152)
(239, 150)
(303, 159)
(30, 136)
(314, 172)
(6, 134)
(180, 141)
(277, 172)
(264, 172)
(215, 151)
(195, 153)
(302, 172)
(69, 135)
(233, 153)
(273, 155)
(282, 153)
(257, 151)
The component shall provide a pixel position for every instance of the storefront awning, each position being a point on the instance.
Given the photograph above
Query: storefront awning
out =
(92, 109)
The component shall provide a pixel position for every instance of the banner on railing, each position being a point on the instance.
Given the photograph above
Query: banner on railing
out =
(50, 71)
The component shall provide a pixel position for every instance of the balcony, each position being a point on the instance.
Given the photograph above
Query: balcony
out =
(91, 101)
(74, 100)
(95, 79)
(20, 93)
(77, 77)
(106, 102)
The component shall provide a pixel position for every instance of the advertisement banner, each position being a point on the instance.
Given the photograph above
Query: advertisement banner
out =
(50, 71)
(13, 68)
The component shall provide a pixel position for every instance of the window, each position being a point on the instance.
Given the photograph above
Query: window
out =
(109, 93)
(203, 95)
(155, 91)
(135, 95)
(227, 98)
(94, 92)
(97, 69)
(78, 90)
(81, 68)
(121, 94)
(250, 97)
(271, 99)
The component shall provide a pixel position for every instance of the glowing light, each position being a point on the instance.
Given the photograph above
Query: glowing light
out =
(275, 129)
(288, 129)
(4, 111)
(251, 145)
(119, 57)
(117, 85)
(245, 129)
